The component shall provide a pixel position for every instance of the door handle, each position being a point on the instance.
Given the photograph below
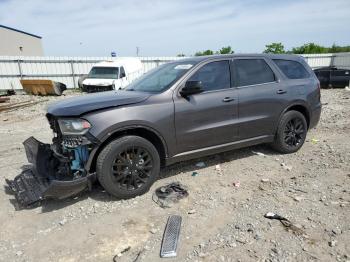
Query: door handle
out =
(227, 99)
(281, 91)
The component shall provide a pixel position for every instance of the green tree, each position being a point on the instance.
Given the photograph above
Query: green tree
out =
(180, 55)
(274, 48)
(206, 52)
(338, 49)
(226, 50)
(310, 48)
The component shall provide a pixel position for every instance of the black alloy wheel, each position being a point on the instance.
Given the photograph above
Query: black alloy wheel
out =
(128, 166)
(291, 132)
(294, 132)
(132, 167)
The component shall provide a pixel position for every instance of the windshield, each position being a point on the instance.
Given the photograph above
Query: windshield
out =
(160, 78)
(104, 72)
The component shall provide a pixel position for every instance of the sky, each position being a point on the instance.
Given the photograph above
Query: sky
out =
(168, 28)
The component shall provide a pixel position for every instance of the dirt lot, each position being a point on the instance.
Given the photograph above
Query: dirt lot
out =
(221, 222)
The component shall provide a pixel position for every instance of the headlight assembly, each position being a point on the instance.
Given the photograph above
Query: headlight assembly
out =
(73, 126)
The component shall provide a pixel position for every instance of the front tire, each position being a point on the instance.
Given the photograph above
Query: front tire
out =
(291, 132)
(128, 166)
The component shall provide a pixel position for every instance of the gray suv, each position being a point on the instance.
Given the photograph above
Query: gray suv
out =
(180, 110)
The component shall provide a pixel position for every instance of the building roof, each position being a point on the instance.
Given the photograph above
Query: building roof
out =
(19, 31)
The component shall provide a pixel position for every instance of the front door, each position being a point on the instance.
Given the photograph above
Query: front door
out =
(208, 118)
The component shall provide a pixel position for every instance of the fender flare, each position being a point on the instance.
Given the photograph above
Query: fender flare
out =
(102, 142)
(296, 103)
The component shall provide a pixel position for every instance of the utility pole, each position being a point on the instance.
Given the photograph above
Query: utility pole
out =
(137, 50)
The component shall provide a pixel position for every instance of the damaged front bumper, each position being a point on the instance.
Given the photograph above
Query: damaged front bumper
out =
(49, 175)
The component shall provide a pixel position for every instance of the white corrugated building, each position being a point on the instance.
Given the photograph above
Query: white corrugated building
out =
(14, 42)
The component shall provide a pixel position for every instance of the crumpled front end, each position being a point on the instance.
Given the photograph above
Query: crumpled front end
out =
(56, 170)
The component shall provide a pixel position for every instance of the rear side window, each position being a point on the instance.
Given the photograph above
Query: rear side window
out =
(292, 69)
(252, 72)
(214, 76)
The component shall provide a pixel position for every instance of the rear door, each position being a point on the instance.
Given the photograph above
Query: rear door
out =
(209, 118)
(340, 77)
(262, 97)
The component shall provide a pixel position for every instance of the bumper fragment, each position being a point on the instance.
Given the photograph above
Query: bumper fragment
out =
(45, 178)
(28, 189)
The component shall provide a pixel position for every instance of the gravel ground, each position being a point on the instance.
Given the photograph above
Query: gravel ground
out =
(223, 216)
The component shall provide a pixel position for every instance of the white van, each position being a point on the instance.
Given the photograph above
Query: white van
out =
(112, 75)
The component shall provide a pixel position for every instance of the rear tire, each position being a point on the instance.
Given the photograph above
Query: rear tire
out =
(128, 166)
(291, 132)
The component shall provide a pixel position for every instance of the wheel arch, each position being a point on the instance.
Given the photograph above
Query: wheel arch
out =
(137, 130)
(300, 107)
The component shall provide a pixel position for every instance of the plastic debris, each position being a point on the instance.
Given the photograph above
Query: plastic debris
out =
(200, 164)
(139, 255)
(314, 141)
(332, 243)
(218, 169)
(191, 212)
(121, 253)
(285, 167)
(259, 153)
(236, 184)
(194, 173)
(298, 198)
(166, 196)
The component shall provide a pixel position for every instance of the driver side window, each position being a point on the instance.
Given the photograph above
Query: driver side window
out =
(214, 76)
(122, 72)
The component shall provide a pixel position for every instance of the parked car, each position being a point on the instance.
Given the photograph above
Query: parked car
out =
(181, 110)
(112, 75)
(333, 77)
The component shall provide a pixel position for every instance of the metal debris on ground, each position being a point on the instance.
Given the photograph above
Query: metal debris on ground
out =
(4, 99)
(43, 87)
(9, 92)
(200, 164)
(171, 237)
(27, 103)
(166, 196)
(286, 223)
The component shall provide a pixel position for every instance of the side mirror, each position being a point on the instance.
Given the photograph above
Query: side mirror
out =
(122, 75)
(191, 88)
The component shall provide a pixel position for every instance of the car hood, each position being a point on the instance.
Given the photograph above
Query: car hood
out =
(77, 106)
